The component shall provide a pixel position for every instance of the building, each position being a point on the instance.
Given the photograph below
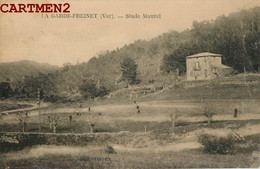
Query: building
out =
(204, 66)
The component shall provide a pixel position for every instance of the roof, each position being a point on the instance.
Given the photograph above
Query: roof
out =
(221, 66)
(205, 54)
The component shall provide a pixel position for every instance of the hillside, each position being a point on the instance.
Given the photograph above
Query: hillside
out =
(15, 70)
(236, 37)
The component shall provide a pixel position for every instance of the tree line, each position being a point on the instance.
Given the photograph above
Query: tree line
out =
(236, 37)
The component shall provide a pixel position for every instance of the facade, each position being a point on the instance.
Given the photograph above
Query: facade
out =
(204, 66)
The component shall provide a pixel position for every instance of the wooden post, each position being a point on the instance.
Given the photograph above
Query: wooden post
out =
(23, 126)
(243, 109)
(245, 75)
(49, 120)
(39, 92)
(55, 123)
(91, 129)
(54, 128)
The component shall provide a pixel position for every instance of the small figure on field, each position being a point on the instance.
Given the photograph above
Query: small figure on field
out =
(70, 117)
(138, 109)
(235, 113)
(92, 127)
(78, 113)
(89, 109)
(134, 102)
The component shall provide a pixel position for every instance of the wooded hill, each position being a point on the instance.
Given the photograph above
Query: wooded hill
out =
(12, 71)
(236, 37)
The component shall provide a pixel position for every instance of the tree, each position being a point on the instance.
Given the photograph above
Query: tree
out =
(174, 117)
(66, 66)
(129, 70)
(88, 89)
(55, 120)
(5, 90)
(102, 91)
(23, 121)
(208, 109)
(176, 59)
(92, 120)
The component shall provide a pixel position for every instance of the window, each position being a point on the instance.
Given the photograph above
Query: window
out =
(205, 73)
(197, 66)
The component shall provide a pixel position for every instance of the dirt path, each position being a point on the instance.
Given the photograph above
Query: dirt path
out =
(34, 106)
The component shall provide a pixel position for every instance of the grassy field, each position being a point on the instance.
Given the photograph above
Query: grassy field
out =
(97, 158)
(115, 118)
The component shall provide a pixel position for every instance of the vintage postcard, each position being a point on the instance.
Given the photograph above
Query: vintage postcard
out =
(129, 84)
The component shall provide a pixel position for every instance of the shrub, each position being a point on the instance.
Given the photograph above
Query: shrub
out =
(18, 142)
(219, 145)
(110, 150)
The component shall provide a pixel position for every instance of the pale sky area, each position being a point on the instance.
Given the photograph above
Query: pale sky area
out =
(56, 41)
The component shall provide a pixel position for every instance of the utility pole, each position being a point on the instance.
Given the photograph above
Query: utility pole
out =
(243, 109)
(39, 103)
(245, 74)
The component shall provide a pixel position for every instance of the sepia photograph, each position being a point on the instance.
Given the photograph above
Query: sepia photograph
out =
(129, 84)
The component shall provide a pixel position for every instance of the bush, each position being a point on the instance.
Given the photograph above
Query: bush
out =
(217, 145)
(18, 142)
(110, 150)
(52, 98)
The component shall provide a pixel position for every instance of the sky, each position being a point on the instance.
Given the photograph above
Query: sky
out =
(60, 40)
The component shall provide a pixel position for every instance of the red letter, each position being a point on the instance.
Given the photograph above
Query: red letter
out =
(48, 8)
(22, 7)
(57, 8)
(1, 8)
(38, 7)
(30, 6)
(66, 10)
(13, 8)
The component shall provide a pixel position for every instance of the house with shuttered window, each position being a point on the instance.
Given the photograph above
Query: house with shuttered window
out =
(205, 66)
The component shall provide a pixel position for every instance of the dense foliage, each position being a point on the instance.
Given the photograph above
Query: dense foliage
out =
(213, 144)
(236, 37)
(129, 70)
